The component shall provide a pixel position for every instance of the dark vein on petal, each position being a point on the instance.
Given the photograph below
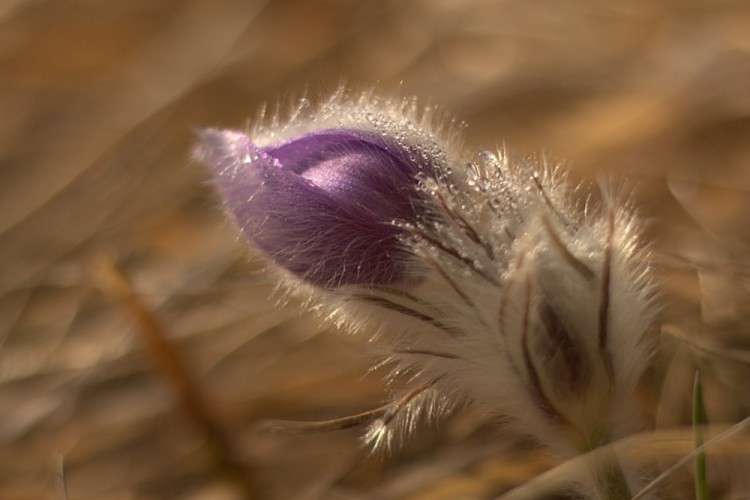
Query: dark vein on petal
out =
(453, 253)
(465, 227)
(425, 352)
(547, 200)
(537, 391)
(398, 308)
(563, 250)
(561, 342)
(605, 297)
(444, 274)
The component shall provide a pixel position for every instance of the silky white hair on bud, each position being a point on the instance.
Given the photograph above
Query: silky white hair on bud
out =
(520, 299)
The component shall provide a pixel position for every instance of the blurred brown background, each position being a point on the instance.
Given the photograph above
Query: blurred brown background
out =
(98, 104)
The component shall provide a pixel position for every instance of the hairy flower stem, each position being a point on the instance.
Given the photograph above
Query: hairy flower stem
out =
(610, 478)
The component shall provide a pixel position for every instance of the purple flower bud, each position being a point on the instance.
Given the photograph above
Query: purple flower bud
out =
(322, 205)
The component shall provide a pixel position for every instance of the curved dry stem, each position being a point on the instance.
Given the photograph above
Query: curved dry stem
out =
(735, 429)
(332, 425)
(640, 449)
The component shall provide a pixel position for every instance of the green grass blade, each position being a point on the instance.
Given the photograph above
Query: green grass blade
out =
(699, 420)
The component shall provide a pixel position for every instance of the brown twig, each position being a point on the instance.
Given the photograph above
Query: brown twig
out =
(173, 368)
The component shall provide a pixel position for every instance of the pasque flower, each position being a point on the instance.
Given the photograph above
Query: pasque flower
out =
(478, 277)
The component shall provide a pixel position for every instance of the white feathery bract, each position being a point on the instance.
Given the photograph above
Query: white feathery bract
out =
(525, 302)
(537, 311)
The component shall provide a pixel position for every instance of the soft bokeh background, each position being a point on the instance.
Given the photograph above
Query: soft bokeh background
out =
(98, 106)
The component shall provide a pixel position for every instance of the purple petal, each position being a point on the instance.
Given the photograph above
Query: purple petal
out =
(321, 206)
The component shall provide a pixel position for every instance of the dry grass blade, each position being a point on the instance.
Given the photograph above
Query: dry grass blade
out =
(637, 450)
(735, 429)
(174, 370)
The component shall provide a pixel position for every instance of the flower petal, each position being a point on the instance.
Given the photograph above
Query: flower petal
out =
(332, 225)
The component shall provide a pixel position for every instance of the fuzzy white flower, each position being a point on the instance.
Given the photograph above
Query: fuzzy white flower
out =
(490, 285)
